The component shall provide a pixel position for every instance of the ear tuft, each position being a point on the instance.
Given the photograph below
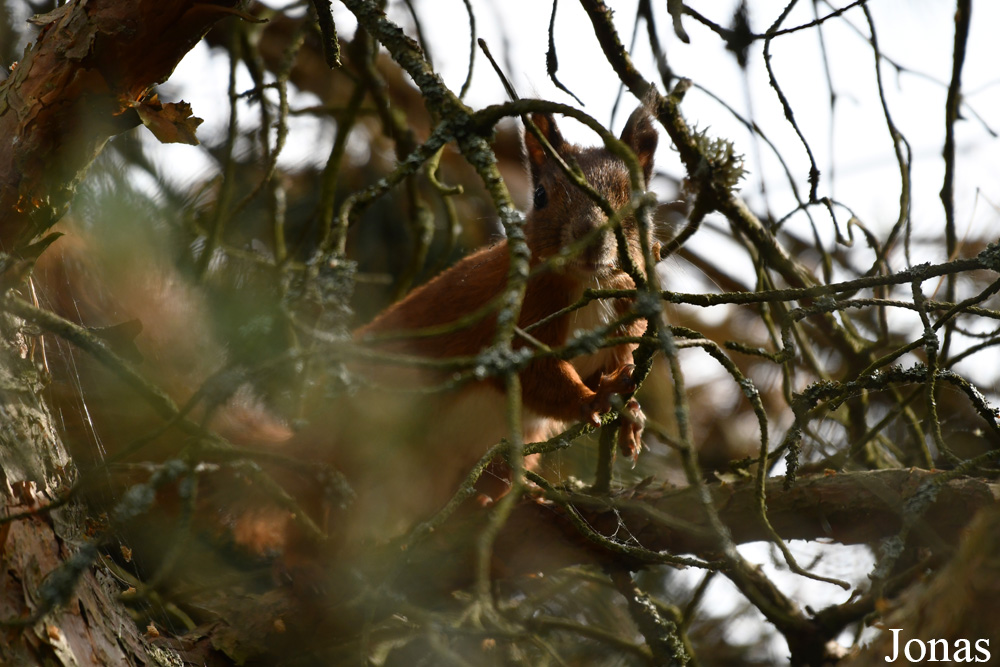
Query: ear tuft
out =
(536, 152)
(641, 136)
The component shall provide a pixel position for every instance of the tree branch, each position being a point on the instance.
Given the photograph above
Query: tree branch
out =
(850, 508)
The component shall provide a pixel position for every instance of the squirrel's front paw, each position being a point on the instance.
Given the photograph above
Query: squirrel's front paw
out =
(632, 418)
(618, 382)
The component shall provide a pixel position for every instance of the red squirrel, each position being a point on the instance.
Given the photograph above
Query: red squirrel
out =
(406, 452)
(464, 423)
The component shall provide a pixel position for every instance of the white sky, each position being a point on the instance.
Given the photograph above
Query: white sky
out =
(917, 34)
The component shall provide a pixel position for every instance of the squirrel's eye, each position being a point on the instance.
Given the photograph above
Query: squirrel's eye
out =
(541, 197)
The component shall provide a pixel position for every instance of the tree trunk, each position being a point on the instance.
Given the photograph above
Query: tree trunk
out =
(46, 553)
(91, 65)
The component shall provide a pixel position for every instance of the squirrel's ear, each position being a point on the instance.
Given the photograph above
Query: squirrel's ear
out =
(536, 152)
(641, 136)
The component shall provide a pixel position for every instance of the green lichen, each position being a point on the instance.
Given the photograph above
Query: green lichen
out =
(721, 163)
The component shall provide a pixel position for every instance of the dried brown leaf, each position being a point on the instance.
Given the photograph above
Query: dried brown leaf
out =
(171, 123)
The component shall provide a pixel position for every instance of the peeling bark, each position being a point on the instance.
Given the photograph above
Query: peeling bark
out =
(75, 88)
(44, 567)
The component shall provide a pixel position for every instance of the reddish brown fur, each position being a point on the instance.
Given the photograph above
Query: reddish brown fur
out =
(404, 455)
(550, 386)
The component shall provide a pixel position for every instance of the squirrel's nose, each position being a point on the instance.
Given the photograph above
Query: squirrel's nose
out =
(602, 248)
(587, 223)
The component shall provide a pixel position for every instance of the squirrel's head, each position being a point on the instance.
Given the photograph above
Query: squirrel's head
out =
(564, 217)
